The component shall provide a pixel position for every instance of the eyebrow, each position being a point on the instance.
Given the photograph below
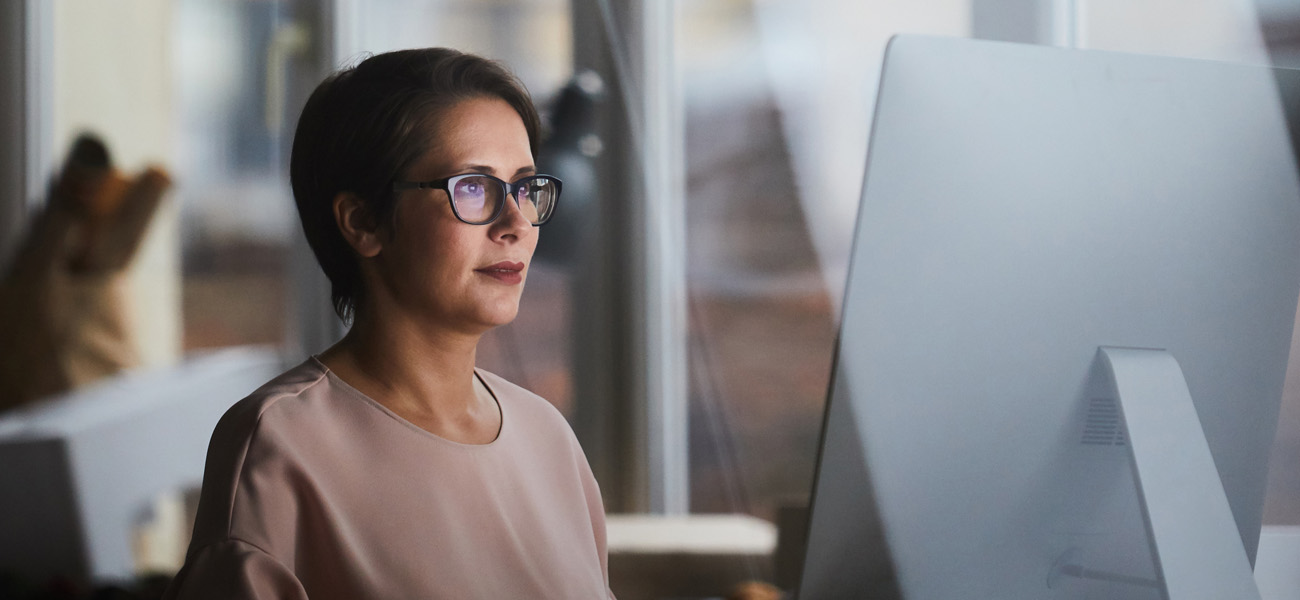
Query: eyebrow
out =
(492, 171)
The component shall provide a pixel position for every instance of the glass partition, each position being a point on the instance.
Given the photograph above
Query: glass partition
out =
(778, 103)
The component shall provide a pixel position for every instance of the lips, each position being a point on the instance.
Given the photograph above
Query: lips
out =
(505, 271)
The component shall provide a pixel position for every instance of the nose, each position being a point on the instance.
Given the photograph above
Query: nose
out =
(512, 222)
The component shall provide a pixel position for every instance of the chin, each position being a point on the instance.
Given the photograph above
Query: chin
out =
(498, 318)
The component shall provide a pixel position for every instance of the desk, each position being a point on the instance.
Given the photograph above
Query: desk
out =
(691, 556)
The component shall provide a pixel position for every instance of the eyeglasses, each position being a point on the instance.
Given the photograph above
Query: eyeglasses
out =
(479, 199)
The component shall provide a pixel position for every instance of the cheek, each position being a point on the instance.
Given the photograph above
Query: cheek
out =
(449, 252)
(530, 241)
(426, 253)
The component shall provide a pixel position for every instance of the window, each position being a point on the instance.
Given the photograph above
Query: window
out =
(534, 40)
(778, 103)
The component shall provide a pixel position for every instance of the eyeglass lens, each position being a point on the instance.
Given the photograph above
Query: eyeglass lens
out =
(478, 197)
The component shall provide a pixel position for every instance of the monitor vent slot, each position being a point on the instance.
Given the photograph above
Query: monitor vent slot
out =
(1101, 425)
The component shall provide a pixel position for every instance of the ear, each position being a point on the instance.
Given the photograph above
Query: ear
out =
(356, 224)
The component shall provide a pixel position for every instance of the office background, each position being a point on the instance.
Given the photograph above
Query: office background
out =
(683, 308)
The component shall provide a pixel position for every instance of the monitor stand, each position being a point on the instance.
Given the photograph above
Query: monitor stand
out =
(1196, 547)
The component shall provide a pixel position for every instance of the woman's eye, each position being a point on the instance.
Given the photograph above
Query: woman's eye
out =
(470, 188)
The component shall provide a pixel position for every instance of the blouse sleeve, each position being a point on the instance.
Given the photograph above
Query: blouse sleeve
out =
(234, 569)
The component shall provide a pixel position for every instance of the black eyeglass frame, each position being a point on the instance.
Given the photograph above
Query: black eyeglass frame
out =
(510, 188)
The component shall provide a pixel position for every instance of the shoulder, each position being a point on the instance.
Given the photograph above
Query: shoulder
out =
(291, 417)
(249, 437)
(545, 434)
(293, 384)
(523, 406)
(242, 420)
(517, 398)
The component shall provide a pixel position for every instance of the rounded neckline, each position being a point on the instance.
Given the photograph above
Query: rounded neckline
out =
(347, 387)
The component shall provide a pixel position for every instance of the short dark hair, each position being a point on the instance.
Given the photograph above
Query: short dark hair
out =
(364, 126)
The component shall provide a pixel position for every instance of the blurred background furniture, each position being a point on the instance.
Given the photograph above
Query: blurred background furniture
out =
(80, 471)
(687, 556)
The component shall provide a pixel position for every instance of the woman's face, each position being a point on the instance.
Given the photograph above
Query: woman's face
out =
(466, 277)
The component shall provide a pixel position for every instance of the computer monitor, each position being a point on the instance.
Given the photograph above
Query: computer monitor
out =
(1065, 329)
(79, 471)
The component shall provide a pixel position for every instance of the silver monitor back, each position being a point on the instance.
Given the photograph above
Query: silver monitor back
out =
(1023, 207)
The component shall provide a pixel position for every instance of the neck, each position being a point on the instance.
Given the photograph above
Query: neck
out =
(412, 367)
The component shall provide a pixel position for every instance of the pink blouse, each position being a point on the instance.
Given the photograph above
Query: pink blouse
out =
(313, 490)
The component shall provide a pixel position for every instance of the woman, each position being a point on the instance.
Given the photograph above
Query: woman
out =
(388, 466)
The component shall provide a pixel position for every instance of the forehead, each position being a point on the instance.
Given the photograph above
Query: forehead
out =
(478, 131)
